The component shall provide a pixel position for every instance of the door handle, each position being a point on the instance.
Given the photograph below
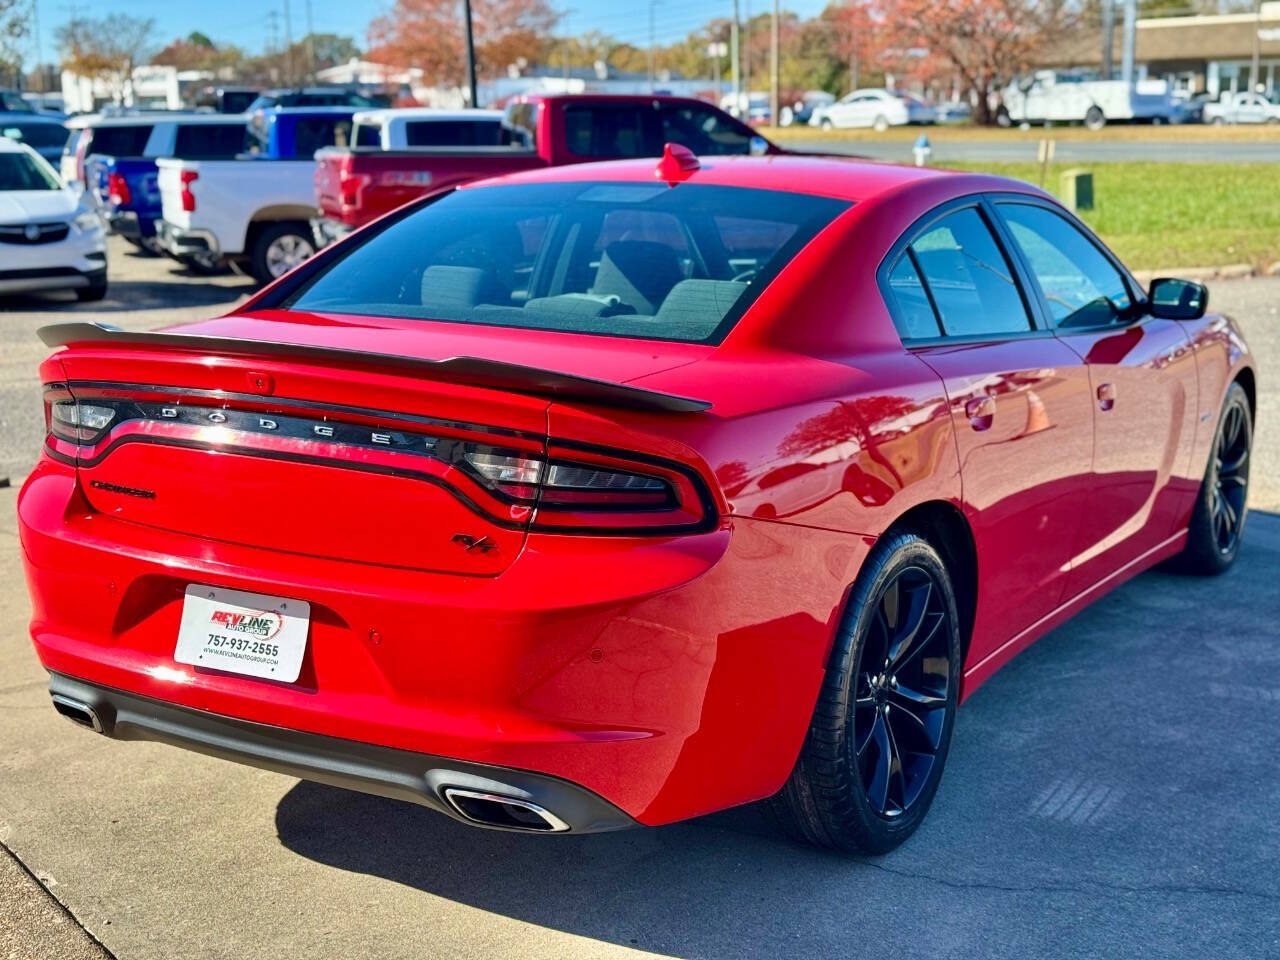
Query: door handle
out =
(980, 411)
(1106, 395)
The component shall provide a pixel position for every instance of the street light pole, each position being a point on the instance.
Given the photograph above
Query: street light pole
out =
(736, 53)
(471, 57)
(1108, 38)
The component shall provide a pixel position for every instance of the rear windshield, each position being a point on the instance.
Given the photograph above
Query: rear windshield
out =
(128, 141)
(454, 133)
(18, 171)
(623, 259)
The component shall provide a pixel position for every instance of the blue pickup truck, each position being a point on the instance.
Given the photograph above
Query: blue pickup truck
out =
(126, 187)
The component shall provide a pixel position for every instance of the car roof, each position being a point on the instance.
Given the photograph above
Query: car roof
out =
(17, 116)
(333, 108)
(425, 113)
(845, 178)
(13, 146)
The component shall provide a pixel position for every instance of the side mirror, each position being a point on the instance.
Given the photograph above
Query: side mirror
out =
(1172, 299)
(757, 146)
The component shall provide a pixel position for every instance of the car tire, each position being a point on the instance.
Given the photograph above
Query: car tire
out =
(1219, 121)
(880, 124)
(1003, 119)
(1218, 518)
(279, 248)
(827, 124)
(844, 792)
(92, 293)
(202, 266)
(1095, 119)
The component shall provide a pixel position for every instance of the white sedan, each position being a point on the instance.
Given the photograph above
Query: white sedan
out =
(876, 107)
(50, 237)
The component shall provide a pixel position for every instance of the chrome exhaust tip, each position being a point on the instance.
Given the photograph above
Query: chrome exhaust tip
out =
(505, 812)
(77, 712)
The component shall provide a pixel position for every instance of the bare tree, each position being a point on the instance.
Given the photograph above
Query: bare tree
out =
(108, 48)
(13, 32)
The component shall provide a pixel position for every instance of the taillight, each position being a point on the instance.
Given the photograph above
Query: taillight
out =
(77, 421)
(188, 177)
(118, 189)
(595, 492)
(351, 186)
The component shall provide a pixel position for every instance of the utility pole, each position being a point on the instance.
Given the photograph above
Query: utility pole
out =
(736, 53)
(288, 44)
(774, 117)
(1130, 34)
(652, 4)
(746, 66)
(1255, 70)
(311, 46)
(471, 57)
(1108, 38)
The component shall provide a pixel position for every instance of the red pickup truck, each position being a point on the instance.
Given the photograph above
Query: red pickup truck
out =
(356, 185)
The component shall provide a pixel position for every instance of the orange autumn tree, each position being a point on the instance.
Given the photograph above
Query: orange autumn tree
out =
(987, 42)
(429, 34)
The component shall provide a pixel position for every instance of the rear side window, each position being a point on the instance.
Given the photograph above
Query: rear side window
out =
(916, 319)
(969, 279)
(453, 133)
(130, 141)
(623, 259)
(197, 141)
(611, 131)
(704, 131)
(312, 133)
(1081, 286)
(368, 135)
(521, 124)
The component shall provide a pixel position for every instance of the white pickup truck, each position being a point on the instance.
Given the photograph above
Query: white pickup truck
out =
(408, 127)
(1051, 96)
(254, 209)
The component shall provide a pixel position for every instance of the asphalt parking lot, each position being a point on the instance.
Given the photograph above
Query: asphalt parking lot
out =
(1112, 792)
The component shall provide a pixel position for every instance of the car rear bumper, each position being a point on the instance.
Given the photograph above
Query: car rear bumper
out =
(187, 241)
(670, 676)
(436, 782)
(127, 223)
(51, 278)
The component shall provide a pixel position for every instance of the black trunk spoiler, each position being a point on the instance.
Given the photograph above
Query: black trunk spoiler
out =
(475, 371)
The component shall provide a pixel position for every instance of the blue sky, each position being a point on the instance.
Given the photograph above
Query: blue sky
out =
(244, 22)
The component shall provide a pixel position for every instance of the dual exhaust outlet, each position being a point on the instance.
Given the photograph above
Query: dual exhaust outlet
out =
(488, 809)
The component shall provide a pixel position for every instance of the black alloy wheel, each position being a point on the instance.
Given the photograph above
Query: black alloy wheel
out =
(881, 729)
(903, 673)
(1218, 518)
(1230, 479)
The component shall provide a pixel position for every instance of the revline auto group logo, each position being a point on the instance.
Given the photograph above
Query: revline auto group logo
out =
(264, 624)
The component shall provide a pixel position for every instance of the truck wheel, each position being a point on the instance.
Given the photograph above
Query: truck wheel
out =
(279, 248)
(1003, 119)
(206, 266)
(827, 124)
(1094, 119)
(880, 124)
(1219, 121)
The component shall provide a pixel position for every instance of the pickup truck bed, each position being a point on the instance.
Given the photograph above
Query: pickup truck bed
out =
(125, 190)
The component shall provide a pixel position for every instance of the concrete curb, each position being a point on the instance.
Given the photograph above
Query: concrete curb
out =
(1229, 271)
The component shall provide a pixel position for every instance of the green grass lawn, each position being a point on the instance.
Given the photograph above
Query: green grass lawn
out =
(1158, 215)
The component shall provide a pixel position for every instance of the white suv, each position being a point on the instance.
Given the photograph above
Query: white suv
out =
(50, 238)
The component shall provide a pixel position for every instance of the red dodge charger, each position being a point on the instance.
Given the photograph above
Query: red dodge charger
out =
(621, 493)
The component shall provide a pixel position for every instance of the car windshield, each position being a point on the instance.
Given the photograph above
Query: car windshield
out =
(34, 134)
(624, 259)
(19, 171)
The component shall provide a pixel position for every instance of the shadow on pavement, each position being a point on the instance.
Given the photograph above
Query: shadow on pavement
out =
(1115, 784)
(187, 289)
